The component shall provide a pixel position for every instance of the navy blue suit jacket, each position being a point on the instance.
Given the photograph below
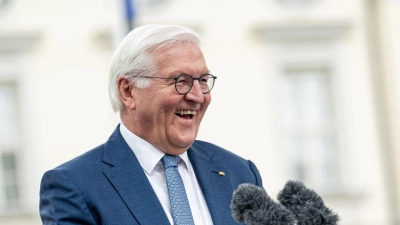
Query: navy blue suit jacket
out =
(107, 185)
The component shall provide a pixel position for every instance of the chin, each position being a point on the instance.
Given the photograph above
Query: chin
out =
(185, 143)
(184, 139)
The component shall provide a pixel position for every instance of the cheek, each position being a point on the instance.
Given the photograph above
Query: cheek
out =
(166, 109)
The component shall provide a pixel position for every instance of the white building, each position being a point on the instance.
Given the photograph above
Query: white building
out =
(307, 89)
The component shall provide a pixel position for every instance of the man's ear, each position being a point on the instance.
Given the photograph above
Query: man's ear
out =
(125, 91)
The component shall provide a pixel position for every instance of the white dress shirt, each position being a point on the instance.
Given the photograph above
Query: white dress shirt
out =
(149, 158)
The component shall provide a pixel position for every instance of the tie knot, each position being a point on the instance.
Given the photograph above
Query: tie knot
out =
(169, 161)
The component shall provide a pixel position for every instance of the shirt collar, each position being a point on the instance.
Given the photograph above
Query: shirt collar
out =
(146, 153)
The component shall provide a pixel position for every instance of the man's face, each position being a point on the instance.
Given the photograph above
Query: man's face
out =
(157, 106)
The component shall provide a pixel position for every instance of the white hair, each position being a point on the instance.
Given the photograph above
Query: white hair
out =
(134, 57)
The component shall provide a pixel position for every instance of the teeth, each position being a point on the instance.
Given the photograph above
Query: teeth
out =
(185, 112)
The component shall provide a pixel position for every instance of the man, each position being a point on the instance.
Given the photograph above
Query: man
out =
(160, 84)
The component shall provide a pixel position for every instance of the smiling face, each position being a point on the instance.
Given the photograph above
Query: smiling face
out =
(158, 113)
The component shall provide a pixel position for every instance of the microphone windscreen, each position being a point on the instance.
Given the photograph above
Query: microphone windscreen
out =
(306, 205)
(252, 205)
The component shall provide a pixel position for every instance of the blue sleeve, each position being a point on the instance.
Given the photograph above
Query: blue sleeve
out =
(61, 202)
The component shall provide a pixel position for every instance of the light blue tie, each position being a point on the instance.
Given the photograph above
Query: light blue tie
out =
(181, 213)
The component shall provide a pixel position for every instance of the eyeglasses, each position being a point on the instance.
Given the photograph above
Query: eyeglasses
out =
(184, 83)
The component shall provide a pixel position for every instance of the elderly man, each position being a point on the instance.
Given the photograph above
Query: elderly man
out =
(151, 170)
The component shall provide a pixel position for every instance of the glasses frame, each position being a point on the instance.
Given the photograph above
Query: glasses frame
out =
(177, 78)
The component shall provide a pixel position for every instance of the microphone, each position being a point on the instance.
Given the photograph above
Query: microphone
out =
(306, 205)
(252, 205)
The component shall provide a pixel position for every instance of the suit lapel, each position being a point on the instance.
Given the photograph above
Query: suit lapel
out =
(128, 178)
(217, 189)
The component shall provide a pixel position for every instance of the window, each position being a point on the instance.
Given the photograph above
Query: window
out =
(307, 118)
(10, 181)
(307, 62)
(9, 148)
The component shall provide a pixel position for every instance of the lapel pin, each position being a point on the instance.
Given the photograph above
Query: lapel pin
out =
(221, 173)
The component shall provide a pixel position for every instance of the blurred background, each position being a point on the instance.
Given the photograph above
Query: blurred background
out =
(307, 89)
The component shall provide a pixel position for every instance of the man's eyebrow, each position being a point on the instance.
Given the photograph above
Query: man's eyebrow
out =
(179, 73)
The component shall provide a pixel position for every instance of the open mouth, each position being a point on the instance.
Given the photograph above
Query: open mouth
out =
(187, 114)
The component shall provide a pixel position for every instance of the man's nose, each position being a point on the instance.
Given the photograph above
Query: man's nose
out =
(195, 93)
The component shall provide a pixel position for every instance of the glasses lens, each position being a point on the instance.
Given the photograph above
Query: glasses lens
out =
(206, 82)
(183, 84)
